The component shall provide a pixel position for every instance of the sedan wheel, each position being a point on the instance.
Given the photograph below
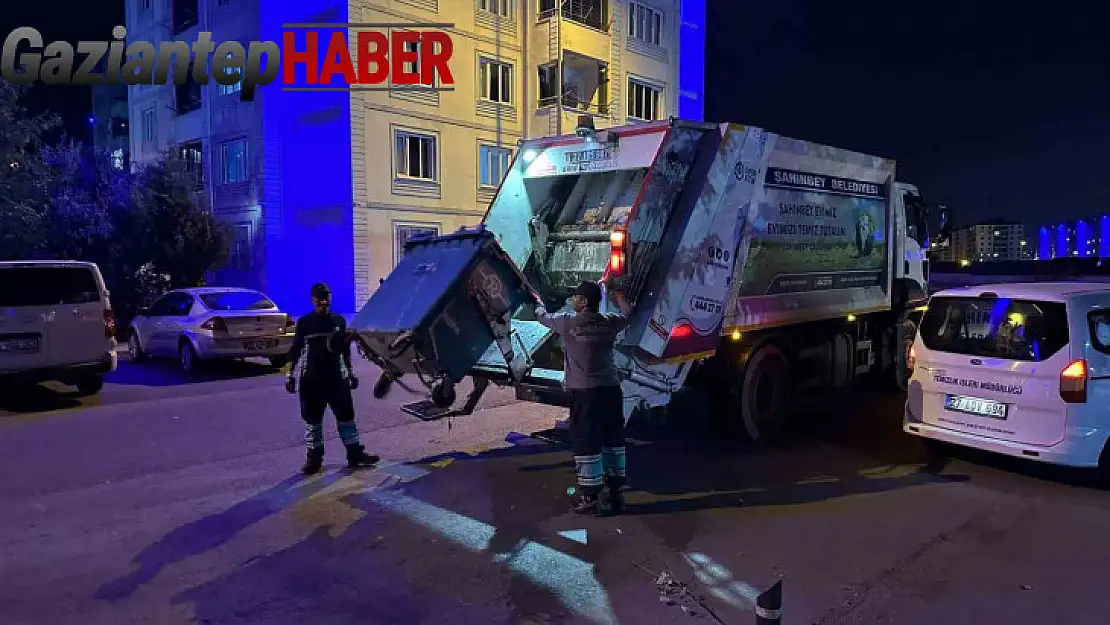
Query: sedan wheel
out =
(188, 357)
(134, 349)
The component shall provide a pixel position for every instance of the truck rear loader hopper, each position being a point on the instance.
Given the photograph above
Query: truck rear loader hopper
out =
(765, 263)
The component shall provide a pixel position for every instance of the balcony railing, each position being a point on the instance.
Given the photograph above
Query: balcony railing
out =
(591, 13)
(575, 103)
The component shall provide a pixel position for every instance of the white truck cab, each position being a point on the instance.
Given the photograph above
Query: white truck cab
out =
(1017, 369)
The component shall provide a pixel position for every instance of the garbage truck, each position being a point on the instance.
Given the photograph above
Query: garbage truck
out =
(757, 265)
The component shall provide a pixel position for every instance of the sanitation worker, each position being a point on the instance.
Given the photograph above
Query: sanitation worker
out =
(597, 404)
(325, 380)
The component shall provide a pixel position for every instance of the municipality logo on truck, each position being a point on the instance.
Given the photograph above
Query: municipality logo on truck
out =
(310, 57)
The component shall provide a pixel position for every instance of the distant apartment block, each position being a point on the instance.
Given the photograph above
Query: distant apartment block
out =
(991, 241)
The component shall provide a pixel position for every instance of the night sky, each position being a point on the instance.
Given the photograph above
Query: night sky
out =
(993, 110)
(1001, 110)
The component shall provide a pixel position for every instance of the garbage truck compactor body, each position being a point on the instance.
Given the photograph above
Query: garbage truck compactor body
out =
(756, 265)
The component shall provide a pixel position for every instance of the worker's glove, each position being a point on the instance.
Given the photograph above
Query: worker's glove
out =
(353, 381)
(291, 384)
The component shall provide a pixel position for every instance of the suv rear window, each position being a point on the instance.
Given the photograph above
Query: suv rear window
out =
(995, 327)
(47, 286)
(236, 300)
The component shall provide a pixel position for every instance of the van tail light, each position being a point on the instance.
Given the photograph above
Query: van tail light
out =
(1073, 382)
(290, 322)
(215, 324)
(911, 358)
(617, 240)
(682, 331)
(109, 323)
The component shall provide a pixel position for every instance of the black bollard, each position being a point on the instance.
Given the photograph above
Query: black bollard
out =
(768, 606)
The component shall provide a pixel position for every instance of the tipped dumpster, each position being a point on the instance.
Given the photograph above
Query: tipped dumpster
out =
(449, 301)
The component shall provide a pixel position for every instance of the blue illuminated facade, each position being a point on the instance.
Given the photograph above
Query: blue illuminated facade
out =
(691, 60)
(1081, 238)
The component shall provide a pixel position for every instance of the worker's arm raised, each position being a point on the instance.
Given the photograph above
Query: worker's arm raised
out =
(557, 321)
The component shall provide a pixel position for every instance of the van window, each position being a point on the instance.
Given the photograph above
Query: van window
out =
(47, 286)
(1099, 323)
(236, 300)
(995, 327)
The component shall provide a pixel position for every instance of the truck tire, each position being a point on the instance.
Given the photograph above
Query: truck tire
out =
(764, 394)
(907, 332)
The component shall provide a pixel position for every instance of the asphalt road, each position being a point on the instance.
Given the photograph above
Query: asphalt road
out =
(172, 500)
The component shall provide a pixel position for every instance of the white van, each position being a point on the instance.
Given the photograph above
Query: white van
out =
(56, 324)
(1017, 369)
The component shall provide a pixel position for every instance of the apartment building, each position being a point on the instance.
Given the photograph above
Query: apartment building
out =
(328, 186)
(993, 241)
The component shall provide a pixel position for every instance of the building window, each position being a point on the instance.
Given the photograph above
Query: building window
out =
(413, 67)
(223, 3)
(643, 101)
(495, 81)
(493, 164)
(402, 233)
(184, 14)
(150, 126)
(193, 155)
(645, 24)
(235, 88)
(497, 7)
(240, 257)
(187, 96)
(117, 158)
(144, 5)
(233, 161)
(415, 156)
(549, 84)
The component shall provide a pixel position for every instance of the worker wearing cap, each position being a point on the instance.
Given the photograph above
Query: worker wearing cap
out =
(597, 404)
(326, 379)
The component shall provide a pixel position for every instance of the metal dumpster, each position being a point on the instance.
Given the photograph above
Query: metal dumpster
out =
(440, 310)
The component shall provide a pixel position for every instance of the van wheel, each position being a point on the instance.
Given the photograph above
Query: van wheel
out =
(134, 348)
(90, 385)
(764, 394)
(187, 356)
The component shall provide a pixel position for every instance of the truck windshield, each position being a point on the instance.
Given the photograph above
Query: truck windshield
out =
(995, 327)
(917, 215)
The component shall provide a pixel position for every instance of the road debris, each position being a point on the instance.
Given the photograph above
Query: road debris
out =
(674, 592)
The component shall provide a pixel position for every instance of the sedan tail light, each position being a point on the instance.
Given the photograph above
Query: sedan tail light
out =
(109, 323)
(1073, 382)
(215, 324)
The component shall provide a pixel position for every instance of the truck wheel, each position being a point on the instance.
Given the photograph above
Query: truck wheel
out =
(90, 385)
(907, 331)
(764, 394)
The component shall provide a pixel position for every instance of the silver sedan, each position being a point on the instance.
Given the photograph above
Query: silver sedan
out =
(211, 323)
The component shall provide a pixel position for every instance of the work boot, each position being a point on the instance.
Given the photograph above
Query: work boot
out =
(615, 501)
(314, 462)
(586, 504)
(357, 457)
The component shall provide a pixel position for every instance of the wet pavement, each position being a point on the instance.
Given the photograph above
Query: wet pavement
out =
(177, 501)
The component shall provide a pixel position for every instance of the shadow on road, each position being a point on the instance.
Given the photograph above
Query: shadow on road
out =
(211, 532)
(36, 398)
(167, 373)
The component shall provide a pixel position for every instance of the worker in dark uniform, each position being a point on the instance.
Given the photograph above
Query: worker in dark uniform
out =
(325, 379)
(597, 404)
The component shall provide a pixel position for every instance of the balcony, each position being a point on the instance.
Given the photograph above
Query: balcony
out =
(589, 13)
(581, 88)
